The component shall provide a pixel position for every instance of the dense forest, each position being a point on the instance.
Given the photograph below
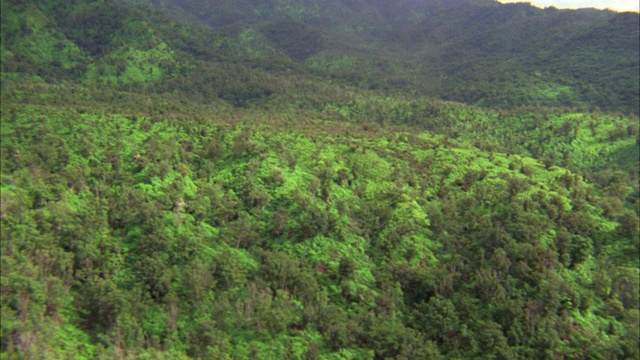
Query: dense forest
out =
(294, 180)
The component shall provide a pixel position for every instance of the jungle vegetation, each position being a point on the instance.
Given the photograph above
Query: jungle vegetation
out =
(284, 180)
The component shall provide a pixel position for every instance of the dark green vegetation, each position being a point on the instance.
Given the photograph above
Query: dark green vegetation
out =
(265, 186)
(475, 51)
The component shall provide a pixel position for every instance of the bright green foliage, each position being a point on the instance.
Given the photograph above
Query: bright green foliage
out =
(239, 210)
(257, 247)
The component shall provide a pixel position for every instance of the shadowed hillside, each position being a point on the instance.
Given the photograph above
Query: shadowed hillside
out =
(480, 52)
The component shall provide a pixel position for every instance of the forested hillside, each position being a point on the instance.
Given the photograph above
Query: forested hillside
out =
(474, 51)
(284, 180)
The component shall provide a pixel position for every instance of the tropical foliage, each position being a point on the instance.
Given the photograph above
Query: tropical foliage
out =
(176, 191)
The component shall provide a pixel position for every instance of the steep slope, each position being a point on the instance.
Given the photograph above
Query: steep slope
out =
(97, 42)
(481, 52)
(478, 52)
(543, 66)
(32, 44)
(618, 77)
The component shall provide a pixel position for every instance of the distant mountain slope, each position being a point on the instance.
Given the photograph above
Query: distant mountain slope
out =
(105, 42)
(475, 51)
(30, 40)
(480, 52)
(101, 41)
